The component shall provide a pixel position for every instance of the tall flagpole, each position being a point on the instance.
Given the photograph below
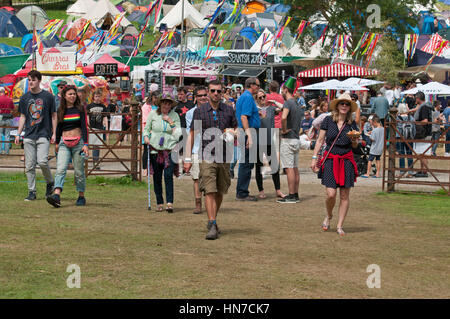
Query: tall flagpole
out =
(182, 45)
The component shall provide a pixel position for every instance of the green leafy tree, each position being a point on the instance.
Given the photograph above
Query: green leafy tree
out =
(351, 17)
(389, 60)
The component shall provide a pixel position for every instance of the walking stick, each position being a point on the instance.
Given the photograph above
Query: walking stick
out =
(148, 177)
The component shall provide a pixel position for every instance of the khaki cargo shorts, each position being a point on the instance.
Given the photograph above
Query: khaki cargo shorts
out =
(214, 177)
(289, 149)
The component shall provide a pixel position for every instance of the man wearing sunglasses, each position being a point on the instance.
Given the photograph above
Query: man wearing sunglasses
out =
(201, 98)
(214, 169)
(247, 116)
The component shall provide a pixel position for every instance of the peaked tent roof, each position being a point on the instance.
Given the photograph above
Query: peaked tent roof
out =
(193, 18)
(338, 69)
(10, 24)
(80, 8)
(106, 58)
(103, 7)
(26, 15)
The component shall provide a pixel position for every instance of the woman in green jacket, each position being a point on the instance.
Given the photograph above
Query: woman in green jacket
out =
(162, 133)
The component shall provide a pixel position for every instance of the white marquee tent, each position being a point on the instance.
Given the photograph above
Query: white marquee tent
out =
(80, 8)
(193, 18)
(100, 12)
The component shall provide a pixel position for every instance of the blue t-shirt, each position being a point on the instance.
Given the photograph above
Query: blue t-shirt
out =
(447, 116)
(246, 106)
(306, 124)
(138, 90)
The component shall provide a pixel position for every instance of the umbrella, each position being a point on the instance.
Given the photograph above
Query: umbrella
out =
(334, 85)
(431, 88)
(361, 82)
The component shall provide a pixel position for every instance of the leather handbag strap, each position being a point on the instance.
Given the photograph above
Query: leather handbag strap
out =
(342, 128)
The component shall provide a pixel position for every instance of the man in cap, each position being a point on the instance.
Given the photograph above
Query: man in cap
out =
(291, 120)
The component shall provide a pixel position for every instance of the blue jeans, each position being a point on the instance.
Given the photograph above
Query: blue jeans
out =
(5, 136)
(244, 174)
(434, 137)
(403, 149)
(236, 154)
(65, 154)
(158, 170)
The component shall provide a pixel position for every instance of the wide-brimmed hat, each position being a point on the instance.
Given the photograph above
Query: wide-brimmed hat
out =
(167, 97)
(344, 97)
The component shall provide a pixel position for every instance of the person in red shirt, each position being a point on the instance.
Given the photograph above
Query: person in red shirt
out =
(274, 88)
(6, 119)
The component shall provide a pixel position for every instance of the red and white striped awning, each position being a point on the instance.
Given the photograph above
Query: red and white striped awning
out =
(436, 44)
(337, 70)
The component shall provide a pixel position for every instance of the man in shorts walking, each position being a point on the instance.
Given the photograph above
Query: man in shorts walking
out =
(291, 120)
(216, 117)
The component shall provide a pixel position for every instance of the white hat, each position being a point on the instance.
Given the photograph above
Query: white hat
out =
(154, 87)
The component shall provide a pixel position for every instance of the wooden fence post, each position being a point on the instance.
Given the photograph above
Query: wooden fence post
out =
(392, 149)
(134, 140)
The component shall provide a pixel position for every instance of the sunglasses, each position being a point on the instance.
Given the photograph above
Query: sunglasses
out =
(215, 115)
(214, 91)
(261, 97)
(202, 95)
(344, 103)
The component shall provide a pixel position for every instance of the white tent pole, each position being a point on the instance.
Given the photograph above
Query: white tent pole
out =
(182, 45)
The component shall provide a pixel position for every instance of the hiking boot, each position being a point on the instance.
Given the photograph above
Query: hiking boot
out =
(209, 224)
(213, 233)
(54, 200)
(247, 199)
(31, 196)
(81, 201)
(290, 199)
(198, 206)
(49, 189)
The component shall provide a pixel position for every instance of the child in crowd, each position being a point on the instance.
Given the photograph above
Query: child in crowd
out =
(376, 149)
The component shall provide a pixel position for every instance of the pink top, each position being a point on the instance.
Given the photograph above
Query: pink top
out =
(146, 109)
(279, 98)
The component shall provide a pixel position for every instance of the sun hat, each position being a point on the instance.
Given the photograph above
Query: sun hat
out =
(167, 97)
(344, 97)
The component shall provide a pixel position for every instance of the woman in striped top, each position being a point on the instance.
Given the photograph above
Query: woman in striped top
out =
(71, 143)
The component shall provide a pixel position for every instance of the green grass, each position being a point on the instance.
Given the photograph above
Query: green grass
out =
(433, 208)
(264, 251)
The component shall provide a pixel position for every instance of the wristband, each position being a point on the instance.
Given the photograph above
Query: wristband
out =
(86, 144)
(314, 157)
(172, 125)
(188, 160)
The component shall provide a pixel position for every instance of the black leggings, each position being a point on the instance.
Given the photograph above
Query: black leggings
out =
(144, 157)
(259, 164)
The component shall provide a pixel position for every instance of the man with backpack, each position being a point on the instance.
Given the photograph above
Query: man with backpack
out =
(423, 131)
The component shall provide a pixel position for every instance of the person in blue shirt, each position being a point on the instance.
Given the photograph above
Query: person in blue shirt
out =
(306, 122)
(446, 120)
(247, 117)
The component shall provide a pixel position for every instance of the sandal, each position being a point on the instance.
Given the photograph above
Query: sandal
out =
(160, 208)
(326, 226)
(340, 231)
(169, 208)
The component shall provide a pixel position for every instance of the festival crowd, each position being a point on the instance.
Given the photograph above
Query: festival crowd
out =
(205, 131)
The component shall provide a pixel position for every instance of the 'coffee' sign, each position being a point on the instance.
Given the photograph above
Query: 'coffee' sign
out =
(56, 62)
(106, 69)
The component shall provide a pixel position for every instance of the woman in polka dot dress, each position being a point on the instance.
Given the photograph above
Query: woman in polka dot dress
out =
(339, 169)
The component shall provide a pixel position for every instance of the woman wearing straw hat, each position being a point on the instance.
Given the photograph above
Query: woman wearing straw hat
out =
(162, 132)
(337, 169)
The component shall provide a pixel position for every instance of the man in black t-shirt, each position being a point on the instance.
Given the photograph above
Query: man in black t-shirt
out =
(38, 117)
(183, 106)
(423, 131)
(97, 121)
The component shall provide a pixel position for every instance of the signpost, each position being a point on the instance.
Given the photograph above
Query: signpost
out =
(156, 76)
(106, 69)
(55, 61)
